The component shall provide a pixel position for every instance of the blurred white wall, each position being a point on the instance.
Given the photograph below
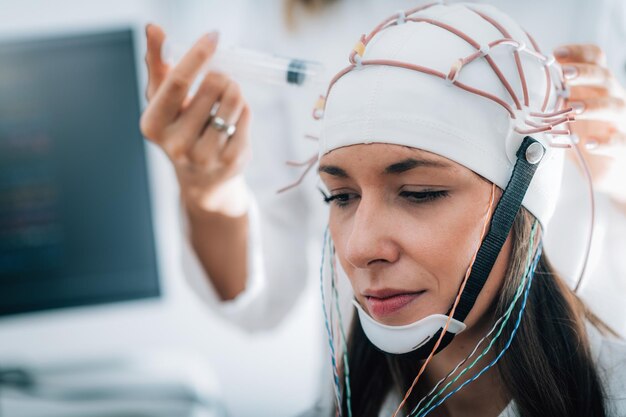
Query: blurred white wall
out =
(251, 369)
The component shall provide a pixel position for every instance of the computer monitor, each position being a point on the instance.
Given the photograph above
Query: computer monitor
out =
(75, 217)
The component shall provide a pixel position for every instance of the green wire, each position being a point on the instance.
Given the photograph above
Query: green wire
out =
(343, 333)
(502, 325)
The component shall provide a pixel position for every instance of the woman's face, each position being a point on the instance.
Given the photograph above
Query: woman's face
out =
(406, 224)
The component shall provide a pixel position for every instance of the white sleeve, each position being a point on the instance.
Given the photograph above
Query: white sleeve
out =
(277, 264)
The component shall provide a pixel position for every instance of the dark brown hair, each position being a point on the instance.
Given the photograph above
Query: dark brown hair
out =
(548, 370)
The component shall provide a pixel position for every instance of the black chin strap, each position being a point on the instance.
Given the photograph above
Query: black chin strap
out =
(528, 155)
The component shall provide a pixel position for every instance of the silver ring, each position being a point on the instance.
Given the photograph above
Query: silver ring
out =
(221, 126)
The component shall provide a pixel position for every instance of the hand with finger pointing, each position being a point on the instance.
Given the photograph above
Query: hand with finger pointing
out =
(206, 136)
(599, 102)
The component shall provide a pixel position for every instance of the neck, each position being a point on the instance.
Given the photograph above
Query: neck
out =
(483, 397)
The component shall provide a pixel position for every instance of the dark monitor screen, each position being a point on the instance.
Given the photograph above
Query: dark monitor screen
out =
(75, 220)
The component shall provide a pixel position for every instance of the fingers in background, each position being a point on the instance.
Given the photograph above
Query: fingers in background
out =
(593, 130)
(608, 109)
(580, 53)
(197, 113)
(171, 94)
(237, 151)
(588, 75)
(212, 140)
(611, 147)
(157, 69)
(581, 93)
(189, 126)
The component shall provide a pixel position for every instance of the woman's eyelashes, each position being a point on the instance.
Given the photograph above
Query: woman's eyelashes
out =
(340, 199)
(424, 196)
(343, 199)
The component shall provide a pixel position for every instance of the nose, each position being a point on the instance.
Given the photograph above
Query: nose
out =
(371, 240)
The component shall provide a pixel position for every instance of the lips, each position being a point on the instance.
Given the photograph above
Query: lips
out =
(381, 304)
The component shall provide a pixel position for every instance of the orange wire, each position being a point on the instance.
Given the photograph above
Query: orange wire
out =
(456, 302)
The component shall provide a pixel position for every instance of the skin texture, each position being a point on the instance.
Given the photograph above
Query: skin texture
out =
(389, 236)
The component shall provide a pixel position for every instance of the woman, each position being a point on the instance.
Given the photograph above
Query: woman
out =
(192, 143)
(441, 154)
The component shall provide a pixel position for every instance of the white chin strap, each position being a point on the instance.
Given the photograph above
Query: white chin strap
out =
(406, 338)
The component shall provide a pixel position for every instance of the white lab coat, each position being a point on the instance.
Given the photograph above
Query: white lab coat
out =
(286, 229)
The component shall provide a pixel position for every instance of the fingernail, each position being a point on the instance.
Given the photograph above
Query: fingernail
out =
(148, 28)
(591, 144)
(561, 52)
(569, 72)
(578, 106)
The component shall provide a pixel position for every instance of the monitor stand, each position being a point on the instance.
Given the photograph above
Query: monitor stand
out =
(155, 385)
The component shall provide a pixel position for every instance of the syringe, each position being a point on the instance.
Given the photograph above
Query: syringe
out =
(252, 65)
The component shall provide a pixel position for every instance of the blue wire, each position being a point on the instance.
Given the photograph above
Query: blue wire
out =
(508, 344)
(328, 331)
(518, 293)
(348, 390)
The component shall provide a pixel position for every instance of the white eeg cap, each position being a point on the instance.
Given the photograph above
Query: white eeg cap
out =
(388, 104)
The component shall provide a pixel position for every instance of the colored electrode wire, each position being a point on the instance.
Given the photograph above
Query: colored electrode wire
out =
(343, 338)
(543, 121)
(505, 316)
(329, 328)
(535, 121)
(508, 344)
(504, 319)
(592, 205)
(520, 289)
(456, 302)
(327, 324)
(452, 372)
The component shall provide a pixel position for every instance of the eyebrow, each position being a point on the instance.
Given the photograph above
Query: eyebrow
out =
(397, 168)
(333, 170)
(411, 163)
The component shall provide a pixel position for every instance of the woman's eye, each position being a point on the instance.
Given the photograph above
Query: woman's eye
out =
(423, 196)
(344, 199)
(340, 199)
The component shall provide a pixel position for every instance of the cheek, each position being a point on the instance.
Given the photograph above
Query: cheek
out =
(446, 246)
(437, 243)
(340, 232)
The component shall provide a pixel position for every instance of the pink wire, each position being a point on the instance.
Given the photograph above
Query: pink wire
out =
(592, 204)
(549, 120)
(518, 62)
(476, 45)
(547, 71)
(549, 123)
